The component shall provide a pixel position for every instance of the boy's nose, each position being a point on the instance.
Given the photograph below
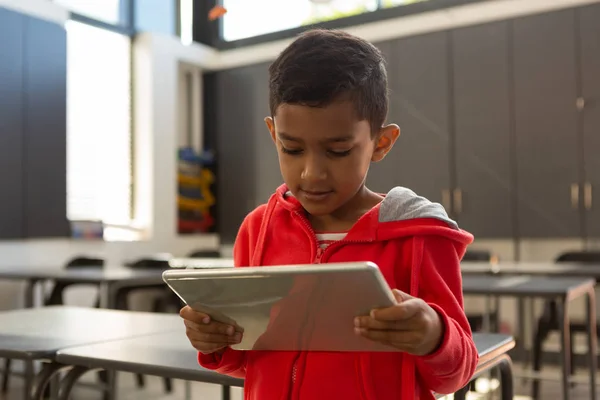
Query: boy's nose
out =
(314, 171)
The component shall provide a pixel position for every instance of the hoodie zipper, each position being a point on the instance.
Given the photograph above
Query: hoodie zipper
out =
(317, 260)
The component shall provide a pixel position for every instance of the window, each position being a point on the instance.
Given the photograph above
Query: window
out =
(252, 18)
(99, 144)
(109, 11)
(394, 3)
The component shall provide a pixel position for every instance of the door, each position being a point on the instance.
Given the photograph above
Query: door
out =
(419, 103)
(547, 145)
(235, 144)
(482, 118)
(589, 36)
(45, 129)
(11, 124)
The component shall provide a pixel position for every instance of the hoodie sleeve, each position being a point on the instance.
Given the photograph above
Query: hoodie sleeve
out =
(451, 365)
(233, 362)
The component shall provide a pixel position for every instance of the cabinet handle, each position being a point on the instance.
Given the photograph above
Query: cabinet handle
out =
(580, 103)
(446, 199)
(587, 196)
(575, 196)
(458, 203)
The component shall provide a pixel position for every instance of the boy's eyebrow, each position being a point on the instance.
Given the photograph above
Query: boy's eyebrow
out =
(285, 136)
(345, 138)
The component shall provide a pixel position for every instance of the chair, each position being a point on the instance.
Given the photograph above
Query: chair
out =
(56, 298)
(56, 295)
(549, 321)
(205, 254)
(476, 320)
(160, 262)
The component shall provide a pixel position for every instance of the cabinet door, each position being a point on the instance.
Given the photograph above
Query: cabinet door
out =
(483, 197)
(547, 151)
(11, 124)
(45, 129)
(235, 145)
(382, 175)
(419, 104)
(589, 24)
(268, 176)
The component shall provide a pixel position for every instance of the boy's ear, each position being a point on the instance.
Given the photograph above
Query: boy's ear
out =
(271, 126)
(386, 138)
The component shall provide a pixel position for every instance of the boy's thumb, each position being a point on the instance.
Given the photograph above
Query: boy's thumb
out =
(401, 296)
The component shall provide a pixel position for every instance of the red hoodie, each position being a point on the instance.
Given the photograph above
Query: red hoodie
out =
(418, 249)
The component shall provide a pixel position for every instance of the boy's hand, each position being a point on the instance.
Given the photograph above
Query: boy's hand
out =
(205, 335)
(411, 325)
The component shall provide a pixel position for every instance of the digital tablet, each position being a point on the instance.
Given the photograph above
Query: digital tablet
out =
(289, 307)
(197, 263)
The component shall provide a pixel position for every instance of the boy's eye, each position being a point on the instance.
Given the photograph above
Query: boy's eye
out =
(293, 152)
(339, 153)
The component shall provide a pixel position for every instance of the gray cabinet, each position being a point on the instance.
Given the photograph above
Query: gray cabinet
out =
(482, 119)
(11, 124)
(419, 103)
(589, 37)
(45, 163)
(383, 175)
(547, 150)
(33, 172)
(235, 148)
(267, 177)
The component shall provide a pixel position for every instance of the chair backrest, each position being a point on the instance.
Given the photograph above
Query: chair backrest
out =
(205, 254)
(585, 257)
(477, 255)
(85, 262)
(152, 262)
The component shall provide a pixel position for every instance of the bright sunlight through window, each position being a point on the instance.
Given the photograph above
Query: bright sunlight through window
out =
(98, 119)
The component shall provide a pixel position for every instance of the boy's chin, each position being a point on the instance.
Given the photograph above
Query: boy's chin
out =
(318, 210)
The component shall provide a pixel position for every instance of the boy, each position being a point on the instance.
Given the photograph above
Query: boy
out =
(328, 101)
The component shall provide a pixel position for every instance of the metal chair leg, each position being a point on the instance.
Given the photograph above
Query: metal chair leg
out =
(6, 376)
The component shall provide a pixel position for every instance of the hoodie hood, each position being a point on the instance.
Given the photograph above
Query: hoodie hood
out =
(401, 213)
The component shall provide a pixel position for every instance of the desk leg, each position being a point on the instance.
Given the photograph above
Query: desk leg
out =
(28, 380)
(104, 289)
(29, 293)
(69, 381)
(565, 335)
(592, 337)
(506, 378)
(226, 392)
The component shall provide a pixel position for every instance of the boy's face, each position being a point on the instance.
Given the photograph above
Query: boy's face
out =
(325, 153)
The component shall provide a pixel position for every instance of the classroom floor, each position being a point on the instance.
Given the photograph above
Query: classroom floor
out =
(154, 390)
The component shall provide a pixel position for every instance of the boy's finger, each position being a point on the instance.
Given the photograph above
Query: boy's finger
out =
(400, 312)
(370, 323)
(213, 327)
(190, 314)
(401, 296)
(214, 338)
(399, 339)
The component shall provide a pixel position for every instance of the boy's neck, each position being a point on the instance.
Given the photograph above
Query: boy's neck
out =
(346, 216)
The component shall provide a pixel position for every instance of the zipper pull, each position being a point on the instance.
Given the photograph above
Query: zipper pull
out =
(320, 252)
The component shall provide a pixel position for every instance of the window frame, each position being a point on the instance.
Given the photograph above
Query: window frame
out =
(125, 27)
(214, 36)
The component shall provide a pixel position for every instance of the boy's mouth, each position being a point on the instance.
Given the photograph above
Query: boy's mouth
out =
(315, 195)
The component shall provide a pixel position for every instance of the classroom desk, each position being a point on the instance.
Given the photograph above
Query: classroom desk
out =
(532, 268)
(109, 279)
(170, 355)
(493, 353)
(36, 334)
(563, 290)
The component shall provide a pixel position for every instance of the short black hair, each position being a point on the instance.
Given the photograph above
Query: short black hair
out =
(322, 66)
